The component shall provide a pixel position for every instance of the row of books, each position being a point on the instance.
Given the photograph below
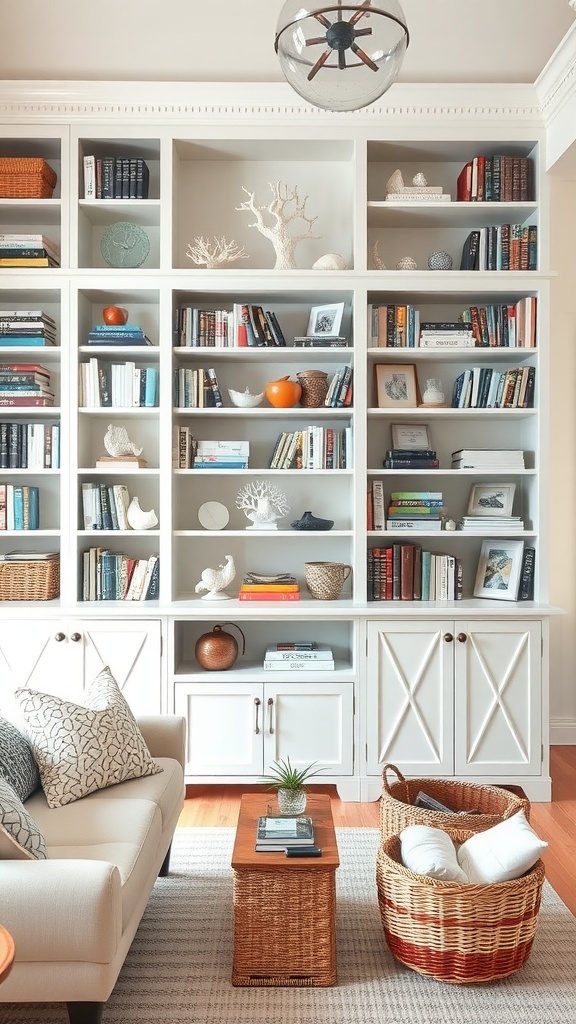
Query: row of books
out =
(115, 576)
(19, 249)
(510, 325)
(489, 459)
(317, 657)
(407, 572)
(245, 325)
(26, 327)
(105, 506)
(111, 177)
(275, 835)
(197, 388)
(19, 507)
(492, 179)
(29, 445)
(313, 448)
(482, 387)
(117, 334)
(340, 389)
(119, 385)
(501, 247)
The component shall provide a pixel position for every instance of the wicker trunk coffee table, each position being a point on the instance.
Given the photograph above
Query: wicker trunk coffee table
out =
(284, 908)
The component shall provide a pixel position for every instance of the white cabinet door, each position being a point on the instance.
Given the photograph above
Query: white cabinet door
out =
(132, 649)
(225, 723)
(310, 722)
(409, 696)
(498, 698)
(41, 655)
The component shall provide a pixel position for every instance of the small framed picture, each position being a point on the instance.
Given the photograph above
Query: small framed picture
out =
(396, 385)
(326, 321)
(491, 499)
(411, 436)
(499, 569)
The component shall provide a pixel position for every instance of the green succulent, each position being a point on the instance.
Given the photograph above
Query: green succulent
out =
(284, 776)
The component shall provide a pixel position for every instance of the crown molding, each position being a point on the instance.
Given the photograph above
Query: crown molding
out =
(556, 91)
(261, 102)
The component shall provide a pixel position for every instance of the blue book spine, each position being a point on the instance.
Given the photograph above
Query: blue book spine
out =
(33, 508)
(151, 388)
(18, 505)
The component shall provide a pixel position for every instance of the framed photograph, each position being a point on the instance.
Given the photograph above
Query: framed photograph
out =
(412, 436)
(325, 321)
(499, 569)
(396, 385)
(491, 499)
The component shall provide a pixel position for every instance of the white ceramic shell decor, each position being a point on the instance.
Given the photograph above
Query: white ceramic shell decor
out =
(117, 442)
(244, 399)
(330, 261)
(214, 581)
(407, 263)
(138, 519)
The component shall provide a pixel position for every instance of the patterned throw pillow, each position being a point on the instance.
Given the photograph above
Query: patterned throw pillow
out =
(17, 764)
(80, 749)
(20, 837)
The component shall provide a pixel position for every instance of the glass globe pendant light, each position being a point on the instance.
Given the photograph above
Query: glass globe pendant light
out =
(341, 56)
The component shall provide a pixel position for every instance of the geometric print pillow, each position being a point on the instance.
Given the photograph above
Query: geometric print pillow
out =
(17, 764)
(20, 837)
(80, 749)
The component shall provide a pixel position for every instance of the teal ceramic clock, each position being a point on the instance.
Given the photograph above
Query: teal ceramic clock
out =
(124, 245)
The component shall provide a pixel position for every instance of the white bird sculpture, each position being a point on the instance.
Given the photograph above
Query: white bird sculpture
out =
(117, 442)
(215, 580)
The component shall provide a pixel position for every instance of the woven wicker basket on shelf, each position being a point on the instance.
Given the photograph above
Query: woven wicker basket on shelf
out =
(454, 932)
(478, 807)
(30, 581)
(26, 178)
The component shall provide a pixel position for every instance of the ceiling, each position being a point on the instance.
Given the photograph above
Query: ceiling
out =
(233, 40)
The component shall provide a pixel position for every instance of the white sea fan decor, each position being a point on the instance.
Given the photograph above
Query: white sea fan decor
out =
(212, 254)
(263, 503)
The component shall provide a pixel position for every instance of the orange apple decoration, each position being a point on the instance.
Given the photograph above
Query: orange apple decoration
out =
(283, 393)
(114, 315)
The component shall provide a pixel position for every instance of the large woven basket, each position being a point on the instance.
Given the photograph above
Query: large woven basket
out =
(26, 178)
(30, 581)
(457, 933)
(478, 807)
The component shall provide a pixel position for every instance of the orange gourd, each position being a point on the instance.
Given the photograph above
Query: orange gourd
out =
(283, 393)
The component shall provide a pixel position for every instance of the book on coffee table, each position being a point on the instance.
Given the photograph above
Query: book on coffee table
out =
(282, 832)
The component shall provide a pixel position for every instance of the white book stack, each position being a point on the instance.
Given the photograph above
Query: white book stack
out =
(495, 524)
(317, 658)
(489, 459)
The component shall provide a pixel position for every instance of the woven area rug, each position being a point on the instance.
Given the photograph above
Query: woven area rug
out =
(178, 970)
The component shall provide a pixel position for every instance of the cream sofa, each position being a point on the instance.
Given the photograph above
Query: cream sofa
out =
(74, 915)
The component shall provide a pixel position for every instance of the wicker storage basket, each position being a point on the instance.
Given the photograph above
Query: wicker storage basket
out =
(30, 581)
(26, 178)
(478, 807)
(457, 933)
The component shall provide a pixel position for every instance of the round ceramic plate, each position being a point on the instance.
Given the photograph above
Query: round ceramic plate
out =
(124, 244)
(213, 515)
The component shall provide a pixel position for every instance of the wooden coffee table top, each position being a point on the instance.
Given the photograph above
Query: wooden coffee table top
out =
(252, 805)
(6, 953)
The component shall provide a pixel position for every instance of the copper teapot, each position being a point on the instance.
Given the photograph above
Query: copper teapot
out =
(218, 650)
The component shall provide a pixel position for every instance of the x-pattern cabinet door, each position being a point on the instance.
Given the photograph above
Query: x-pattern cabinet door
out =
(410, 696)
(498, 713)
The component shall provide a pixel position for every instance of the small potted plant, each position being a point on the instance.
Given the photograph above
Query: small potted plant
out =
(289, 782)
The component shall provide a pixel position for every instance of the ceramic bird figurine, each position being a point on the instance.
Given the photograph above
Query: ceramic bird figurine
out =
(117, 442)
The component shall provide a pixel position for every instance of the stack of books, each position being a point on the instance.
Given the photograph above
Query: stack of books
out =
(25, 385)
(27, 327)
(415, 510)
(446, 334)
(280, 586)
(275, 835)
(299, 655)
(489, 460)
(495, 524)
(319, 341)
(220, 454)
(28, 250)
(117, 334)
(411, 458)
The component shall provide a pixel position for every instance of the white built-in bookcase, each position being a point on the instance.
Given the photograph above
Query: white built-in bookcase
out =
(197, 174)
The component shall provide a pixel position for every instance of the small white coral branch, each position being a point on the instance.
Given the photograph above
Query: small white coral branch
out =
(212, 254)
(286, 206)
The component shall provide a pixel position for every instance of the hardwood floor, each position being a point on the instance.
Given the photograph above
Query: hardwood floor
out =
(217, 806)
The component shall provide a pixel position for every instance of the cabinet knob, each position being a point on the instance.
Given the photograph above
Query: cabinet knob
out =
(448, 638)
(76, 637)
(60, 637)
(271, 716)
(462, 638)
(257, 703)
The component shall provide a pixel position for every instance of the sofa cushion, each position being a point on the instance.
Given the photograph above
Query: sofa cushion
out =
(17, 764)
(81, 749)
(20, 836)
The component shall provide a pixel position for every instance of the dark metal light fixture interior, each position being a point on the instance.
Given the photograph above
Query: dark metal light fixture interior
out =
(342, 56)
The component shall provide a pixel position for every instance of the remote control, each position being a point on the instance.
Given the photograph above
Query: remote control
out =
(303, 851)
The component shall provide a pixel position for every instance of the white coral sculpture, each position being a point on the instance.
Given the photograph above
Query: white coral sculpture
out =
(212, 254)
(286, 207)
(263, 503)
(376, 258)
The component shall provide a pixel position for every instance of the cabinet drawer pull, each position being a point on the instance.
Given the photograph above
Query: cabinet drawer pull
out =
(462, 638)
(60, 637)
(76, 637)
(257, 703)
(448, 638)
(271, 716)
